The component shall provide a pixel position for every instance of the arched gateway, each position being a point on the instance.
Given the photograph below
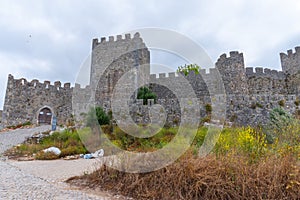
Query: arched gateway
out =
(45, 115)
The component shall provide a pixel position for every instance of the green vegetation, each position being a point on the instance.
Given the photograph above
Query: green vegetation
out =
(244, 164)
(208, 108)
(281, 103)
(145, 93)
(280, 122)
(255, 105)
(297, 102)
(97, 116)
(130, 143)
(28, 123)
(68, 142)
(186, 69)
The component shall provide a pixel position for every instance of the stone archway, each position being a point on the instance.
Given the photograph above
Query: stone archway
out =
(45, 115)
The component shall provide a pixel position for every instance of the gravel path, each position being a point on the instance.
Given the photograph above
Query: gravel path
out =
(39, 179)
(11, 138)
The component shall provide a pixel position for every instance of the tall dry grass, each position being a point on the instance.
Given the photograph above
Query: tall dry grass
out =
(228, 177)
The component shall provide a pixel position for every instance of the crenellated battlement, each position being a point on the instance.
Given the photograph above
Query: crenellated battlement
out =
(290, 62)
(290, 53)
(22, 82)
(116, 40)
(203, 73)
(233, 56)
(264, 72)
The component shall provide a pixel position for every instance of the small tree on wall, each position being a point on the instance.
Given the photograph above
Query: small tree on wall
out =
(186, 69)
(145, 93)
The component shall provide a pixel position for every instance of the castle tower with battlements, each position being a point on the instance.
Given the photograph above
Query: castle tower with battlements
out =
(251, 92)
(232, 70)
(111, 59)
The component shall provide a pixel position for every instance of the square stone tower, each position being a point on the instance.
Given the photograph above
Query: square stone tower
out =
(111, 59)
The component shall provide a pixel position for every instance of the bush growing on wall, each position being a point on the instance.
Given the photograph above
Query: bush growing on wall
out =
(145, 93)
(186, 69)
(97, 115)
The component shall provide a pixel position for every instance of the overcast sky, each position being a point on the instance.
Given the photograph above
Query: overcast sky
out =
(49, 40)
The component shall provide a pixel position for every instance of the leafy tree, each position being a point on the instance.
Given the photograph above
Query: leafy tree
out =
(186, 69)
(145, 93)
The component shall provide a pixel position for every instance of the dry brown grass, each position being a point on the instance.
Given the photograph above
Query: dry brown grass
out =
(228, 177)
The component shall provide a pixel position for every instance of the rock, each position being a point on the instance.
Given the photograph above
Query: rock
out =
(73, 157)
(25, 159)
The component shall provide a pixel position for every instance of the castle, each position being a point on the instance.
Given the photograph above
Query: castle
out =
(250, 93)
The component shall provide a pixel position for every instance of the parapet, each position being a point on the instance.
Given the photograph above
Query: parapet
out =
(290, 62)
(203, 74)
(234, 60)
(264, 72)
(170, 75)
(22, 82)
(79, 87)
(232, 54)
(117, 39)
(57, 84)
(290, 52)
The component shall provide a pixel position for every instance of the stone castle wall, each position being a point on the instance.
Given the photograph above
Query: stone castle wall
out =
(25, 99)
(250, 93)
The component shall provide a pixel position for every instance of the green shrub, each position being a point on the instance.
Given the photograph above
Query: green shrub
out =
(68, 142)
(145, 93)
(28, 123)
(46, 156)
(297, 102)
(280, 119)
(199, 138)
(72, 150)
(97, 116)
(281, 103)
(281, 126)
(208, 108)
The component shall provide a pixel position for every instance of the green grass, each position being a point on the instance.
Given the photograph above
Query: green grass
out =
(242, 165)
(68, 142)
(246, 141)
(19, 125)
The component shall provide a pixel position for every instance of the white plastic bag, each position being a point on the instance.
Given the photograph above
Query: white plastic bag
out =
(98, 154)
(54, 150)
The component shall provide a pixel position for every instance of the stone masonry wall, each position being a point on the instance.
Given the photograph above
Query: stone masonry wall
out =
(250, 94)
(24, 100)
(111, 59)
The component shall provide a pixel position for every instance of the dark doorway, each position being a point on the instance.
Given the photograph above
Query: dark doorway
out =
(45, 116)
